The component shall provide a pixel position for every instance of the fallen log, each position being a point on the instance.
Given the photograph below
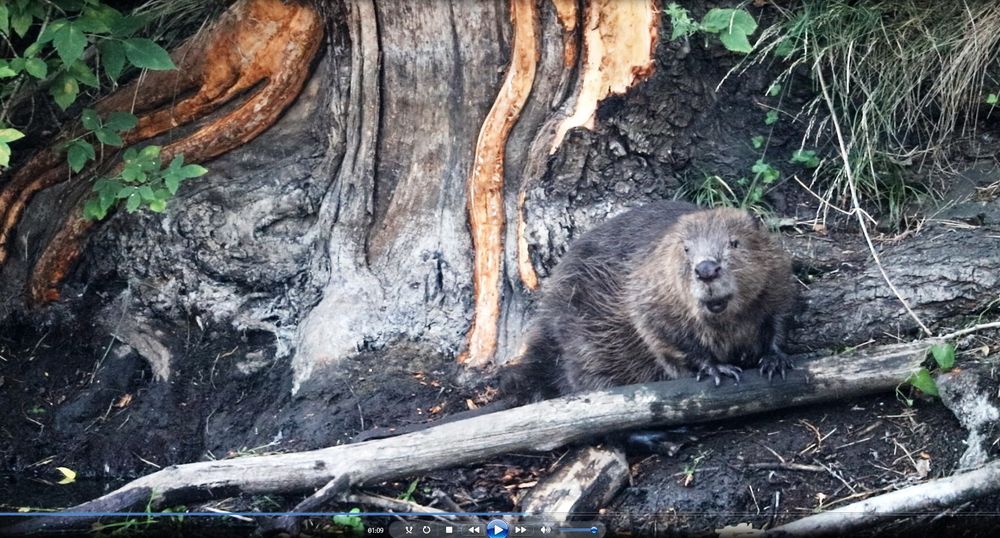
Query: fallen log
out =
(933, 495)
(588, 479)
(540, 426)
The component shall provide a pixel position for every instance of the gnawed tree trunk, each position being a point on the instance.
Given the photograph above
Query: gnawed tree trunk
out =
(403, 209)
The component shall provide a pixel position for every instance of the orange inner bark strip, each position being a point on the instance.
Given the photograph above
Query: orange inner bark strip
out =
(566, 12)
(485, 184)
(280, 41)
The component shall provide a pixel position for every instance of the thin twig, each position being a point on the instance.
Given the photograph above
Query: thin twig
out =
(970, 330)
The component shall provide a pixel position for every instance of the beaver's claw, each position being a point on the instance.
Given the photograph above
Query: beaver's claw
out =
(716, 371)
(776, 361)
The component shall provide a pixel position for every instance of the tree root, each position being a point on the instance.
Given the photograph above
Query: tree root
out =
(264, 47)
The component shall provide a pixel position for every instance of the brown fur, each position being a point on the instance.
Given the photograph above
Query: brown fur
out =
(624, 306)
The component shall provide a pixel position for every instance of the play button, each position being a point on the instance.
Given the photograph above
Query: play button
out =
(496, 529)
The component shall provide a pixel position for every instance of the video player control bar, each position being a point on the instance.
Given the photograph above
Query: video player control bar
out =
(496, 528)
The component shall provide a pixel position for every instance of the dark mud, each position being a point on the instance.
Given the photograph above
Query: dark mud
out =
(67, 404)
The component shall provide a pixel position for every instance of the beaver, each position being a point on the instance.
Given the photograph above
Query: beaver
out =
(657, 291)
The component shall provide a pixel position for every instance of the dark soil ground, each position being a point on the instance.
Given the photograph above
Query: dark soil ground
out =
(66, 405)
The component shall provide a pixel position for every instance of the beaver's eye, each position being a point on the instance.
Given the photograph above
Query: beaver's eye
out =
(734, 243)
(687, 249)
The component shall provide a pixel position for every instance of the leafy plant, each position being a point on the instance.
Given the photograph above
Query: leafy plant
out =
(731, 25)
(7, 136)
(61, 46)
(944, 357)
(57, 36)
(771, 117)
(141, 181)
(408, 494)
(757, 141)
(805, 157)
(353, 524)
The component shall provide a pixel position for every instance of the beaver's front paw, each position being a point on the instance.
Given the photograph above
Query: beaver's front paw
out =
(775, 361)
(717, 370)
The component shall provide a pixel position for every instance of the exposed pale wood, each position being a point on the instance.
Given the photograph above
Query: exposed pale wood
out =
(485, 185)
(619, 41)
(931, 496)
(586, 480)
(540, 426)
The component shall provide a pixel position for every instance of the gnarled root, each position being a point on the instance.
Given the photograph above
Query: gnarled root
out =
(264, 46)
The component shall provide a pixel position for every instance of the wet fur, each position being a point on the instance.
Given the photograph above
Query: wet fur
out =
(623, 305)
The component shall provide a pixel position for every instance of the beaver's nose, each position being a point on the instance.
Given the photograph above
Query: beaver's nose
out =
(707, 270)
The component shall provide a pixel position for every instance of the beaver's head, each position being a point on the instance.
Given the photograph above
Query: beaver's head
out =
(723, 253)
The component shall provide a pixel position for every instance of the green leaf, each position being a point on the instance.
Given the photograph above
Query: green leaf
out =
(992, 99)
(69, 5)
(93, 210)
(757, 141)
(78, 152)
(4, 154)
(785, 48)
(113, 57)
(91, 121)
(681, 24)
(128, 25)
(805, 157)
(923, 381)
(736, 42)
(69, 42)
(133, 172)
(10, 135)
(944, 355)
(157, 206)
(108, 137)
(64, 90)
(120, 121)
(104, 13)
(193, 170)
(4, 20)
(96, 20)
(36, 67)
(732, 25)
(133, 202)
(727, 19)
(50, 31)
(146, 192)
(146, 54)
(773, 89)
(7, 72)
(20, 23)
(767, 173)
(84, 74)
(771, 118)
(172, 182)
